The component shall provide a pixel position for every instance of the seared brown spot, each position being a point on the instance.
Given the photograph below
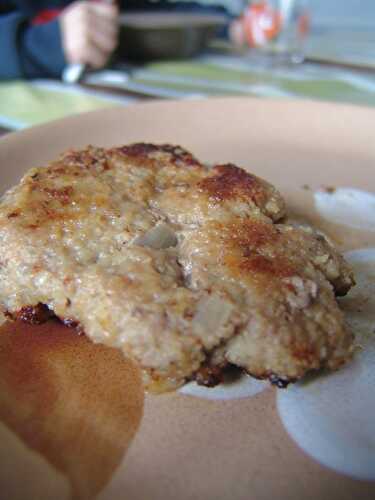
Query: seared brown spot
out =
(304, 353)
(138, 149)
(39, 314)
(63, 195)
(9, 315)
(144, 150)
(252, 234)
(86, 158)
(230, 182)
(277, 267)
(245, 241)
(13, 214)
(34, 315)
(58, 171)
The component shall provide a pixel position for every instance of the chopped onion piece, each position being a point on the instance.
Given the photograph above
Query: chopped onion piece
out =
(212, 313)
(158, 237)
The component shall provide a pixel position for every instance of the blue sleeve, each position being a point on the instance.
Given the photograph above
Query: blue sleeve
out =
(10, 64)
(28, 51)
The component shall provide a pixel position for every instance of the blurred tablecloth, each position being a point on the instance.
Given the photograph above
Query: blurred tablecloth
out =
(236, 75)
(23, 104)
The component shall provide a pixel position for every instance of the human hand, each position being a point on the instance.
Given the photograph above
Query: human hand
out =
(89, 32)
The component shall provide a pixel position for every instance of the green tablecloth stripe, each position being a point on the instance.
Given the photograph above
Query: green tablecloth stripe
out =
(23, 104)
(337, 86)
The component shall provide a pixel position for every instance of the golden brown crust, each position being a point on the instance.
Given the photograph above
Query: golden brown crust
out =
(233, 184)
(229, 181)
(246, 239)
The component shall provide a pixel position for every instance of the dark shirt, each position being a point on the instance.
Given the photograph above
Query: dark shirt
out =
(32, 51)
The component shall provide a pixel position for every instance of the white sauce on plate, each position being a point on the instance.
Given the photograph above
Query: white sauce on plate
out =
(244, 387)
(333, 417)
(349, 206)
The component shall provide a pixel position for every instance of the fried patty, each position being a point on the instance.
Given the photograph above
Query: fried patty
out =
(185, 268)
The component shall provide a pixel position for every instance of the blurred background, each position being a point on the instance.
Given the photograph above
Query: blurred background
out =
(314, 49)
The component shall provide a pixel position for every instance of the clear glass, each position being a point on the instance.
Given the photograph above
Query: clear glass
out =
(276, 30)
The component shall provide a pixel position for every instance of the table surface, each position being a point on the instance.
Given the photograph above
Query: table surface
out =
(340, 67)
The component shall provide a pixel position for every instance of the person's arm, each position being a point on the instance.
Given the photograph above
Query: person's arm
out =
(28, 51)
(84, 32)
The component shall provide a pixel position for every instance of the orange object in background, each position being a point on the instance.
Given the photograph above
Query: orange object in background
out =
(264, 21)
(261, 22)
(303, 24)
